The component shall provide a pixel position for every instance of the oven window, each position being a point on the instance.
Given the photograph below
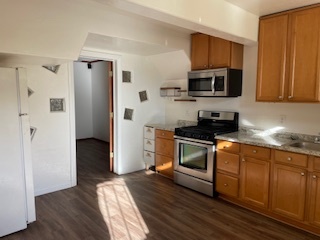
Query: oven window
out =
(192, 156)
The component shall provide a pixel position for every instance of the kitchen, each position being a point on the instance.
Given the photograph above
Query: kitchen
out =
(264, 115)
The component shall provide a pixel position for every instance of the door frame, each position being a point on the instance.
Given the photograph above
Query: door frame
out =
(116, 63)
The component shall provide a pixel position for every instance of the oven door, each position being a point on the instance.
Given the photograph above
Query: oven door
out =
(194, 157)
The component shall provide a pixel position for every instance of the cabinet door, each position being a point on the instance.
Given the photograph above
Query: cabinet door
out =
(199, 51)
(164, 165)
(314, 211)
(304, 56)
(289, 191)
(219, 53)
(272, 59)
(254, 179)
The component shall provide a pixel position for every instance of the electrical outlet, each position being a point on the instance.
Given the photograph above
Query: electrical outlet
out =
(282, 118)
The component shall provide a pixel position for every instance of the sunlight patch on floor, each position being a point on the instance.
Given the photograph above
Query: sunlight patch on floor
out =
(120, 212)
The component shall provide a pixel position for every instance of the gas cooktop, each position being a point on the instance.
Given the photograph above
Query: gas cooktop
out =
(210, 124)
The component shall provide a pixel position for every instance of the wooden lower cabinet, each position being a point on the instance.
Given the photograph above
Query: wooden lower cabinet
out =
(314, 210)
(280, 184)
(164, 165)
(254, 179)
(164, 152)
(227, 185)
(289, 191)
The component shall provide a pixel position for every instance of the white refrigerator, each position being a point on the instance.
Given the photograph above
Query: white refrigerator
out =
(17, 202)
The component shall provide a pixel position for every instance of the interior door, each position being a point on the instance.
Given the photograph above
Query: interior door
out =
(12, 185)
(110, 79)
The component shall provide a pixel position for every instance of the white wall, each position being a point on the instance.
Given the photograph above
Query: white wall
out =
(145, 77)
(83, 100)
(100, 101)
(299, 117)
(52, 144)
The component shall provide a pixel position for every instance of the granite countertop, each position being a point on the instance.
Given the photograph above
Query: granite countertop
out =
(171, 127)
(262, 138)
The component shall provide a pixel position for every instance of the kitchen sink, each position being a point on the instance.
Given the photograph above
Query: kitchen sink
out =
(305, 145)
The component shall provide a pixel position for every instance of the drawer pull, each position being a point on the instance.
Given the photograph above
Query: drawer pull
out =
(226, 162)
(149, 130)
(148, 142)
(226, 146)
(289, 158)
(302, 174)
(243, 160)
(162, 134)
(254, 151)
(314, 177)
(163, 164)
(226, 185)
(148, 155)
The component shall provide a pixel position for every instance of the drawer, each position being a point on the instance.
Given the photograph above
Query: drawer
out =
(228, 146)
(228, 162)
(227, 185)
(165, 147)
(256, 152)
(149, 145)
(148, 157)
(316, 164)
(296, 159)
(164, 165)
(148, 133)
(164, 134)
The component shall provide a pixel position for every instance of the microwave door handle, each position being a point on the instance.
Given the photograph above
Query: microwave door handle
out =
(212, 84)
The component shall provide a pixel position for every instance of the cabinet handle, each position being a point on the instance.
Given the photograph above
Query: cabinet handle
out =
(290, 97)
(280, 97)
(243, 160)
(226, 162)
(205, 66)
(289, 158)
(254, 151)
(148, 142)
(314, 177)
(148, 155)
(162, 134)
(226, 185)
(148, 130)
(226, 146)
(302, 174)
(163, 164)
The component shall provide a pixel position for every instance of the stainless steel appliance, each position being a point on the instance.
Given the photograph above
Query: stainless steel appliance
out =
(221, 82)
(194, 153)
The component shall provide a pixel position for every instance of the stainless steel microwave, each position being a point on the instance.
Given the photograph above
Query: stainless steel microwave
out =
(221, 82)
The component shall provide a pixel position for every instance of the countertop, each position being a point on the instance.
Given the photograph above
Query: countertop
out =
(171, 127)
(262, 138)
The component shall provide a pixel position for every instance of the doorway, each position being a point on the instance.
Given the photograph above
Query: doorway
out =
(93, 81)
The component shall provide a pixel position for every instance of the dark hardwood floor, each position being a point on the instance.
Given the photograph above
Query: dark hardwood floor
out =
(141, 205)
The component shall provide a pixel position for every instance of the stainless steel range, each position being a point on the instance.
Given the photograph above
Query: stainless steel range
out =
(194, 156)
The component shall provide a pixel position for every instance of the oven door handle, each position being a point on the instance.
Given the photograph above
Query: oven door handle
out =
(212, 84)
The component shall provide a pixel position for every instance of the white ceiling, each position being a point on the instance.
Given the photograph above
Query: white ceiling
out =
(265, 7)
(257, 7)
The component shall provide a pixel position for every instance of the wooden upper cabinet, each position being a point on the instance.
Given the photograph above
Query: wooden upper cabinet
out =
(304, 56)
(211, 52)
(289, 57)
(272, 58)
(199, 51)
